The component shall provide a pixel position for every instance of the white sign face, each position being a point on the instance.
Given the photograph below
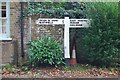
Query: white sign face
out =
(77, 23)
(50, 21)
(74, 23)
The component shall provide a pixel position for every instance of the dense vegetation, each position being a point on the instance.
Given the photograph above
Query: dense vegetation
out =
(56, 9)
(46, 50)
(102, 40)
(99, 43)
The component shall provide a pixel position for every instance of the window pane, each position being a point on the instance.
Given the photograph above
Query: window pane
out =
(3, 21)
(3, 9)
(3, 3)
(3, 25)
(3, 13)
(3, 29)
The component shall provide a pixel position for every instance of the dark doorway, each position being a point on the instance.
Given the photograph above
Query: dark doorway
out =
(76, 38)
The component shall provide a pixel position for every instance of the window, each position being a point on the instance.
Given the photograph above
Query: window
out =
(5, 21)
(4, 10)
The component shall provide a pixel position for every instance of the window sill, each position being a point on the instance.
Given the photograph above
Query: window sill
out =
(6, 39)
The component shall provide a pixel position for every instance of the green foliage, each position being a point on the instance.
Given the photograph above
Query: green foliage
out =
(102, 40)
(56, 9)
(73, 69)
(66, 68)
(46, 50)
(7, 66)
(98, 44)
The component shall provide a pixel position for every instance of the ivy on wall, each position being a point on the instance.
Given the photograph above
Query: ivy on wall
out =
(57, 9)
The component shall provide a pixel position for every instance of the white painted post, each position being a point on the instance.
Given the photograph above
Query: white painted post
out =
(0, 34)
(0, 19)
(8, 19)
(66, 41)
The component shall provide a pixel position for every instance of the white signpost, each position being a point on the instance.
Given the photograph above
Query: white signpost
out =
(69, 23)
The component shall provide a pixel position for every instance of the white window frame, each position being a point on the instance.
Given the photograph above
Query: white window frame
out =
(5, 36)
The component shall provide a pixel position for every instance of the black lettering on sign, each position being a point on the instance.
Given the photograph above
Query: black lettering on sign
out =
(54, 20)
(72, 20)
(72, 24)
(78, 24)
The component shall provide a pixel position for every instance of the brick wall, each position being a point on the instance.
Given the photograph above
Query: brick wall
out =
(10, 48)
(9, 52)
(38, 31)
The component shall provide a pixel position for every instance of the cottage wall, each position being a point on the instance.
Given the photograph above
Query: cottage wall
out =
(10, 49)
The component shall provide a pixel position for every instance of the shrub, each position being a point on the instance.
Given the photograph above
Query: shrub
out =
(46, 50)
(101, 41)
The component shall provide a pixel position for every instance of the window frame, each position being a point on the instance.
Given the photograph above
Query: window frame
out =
(6, 35)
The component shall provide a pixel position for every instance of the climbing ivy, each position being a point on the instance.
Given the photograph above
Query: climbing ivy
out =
(57, 9)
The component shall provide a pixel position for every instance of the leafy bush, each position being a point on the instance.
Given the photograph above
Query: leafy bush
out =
(46, 50)
(102, 40)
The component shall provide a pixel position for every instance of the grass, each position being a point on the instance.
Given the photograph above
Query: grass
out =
(66, 68)
(80, 68)
(7, 66)
(74, 68)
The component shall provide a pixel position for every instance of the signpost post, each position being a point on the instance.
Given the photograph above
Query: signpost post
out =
(69, 23)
